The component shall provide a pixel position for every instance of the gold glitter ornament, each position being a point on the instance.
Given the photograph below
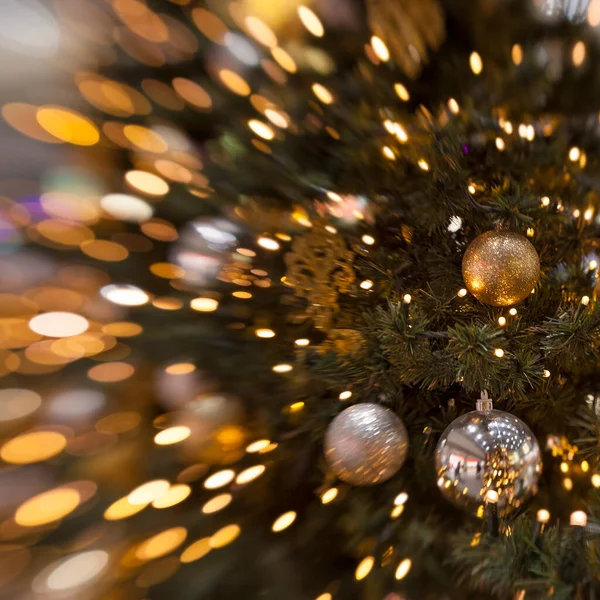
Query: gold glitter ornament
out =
(366, 444)
(500, 268)
(319, 267)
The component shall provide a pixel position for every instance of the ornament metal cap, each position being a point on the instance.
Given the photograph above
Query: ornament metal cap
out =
(484, 403)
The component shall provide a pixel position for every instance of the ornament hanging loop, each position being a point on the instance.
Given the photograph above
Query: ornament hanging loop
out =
(484, 403)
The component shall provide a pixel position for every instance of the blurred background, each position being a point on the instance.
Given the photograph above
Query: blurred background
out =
(203, 205)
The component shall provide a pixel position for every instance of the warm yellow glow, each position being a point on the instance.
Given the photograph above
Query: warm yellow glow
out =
(400, 134)
(364, 568)
(508, 127)
(329, 495)
(33, 447)
(257, 446)
(325, 596)
(546, 373)
(578, 519)
(261, 32)
(517, 54)
(500, 144)
(219, 479)
(68, 126)
(177, 493)
(277, 117)
(453, 106)
(224, 536)
(567, 484)
(282, 368)
(122, 509)
(578, 54)
(543, 516)
(407, 298)
(75, 570)
(585, 466)
(512, 312)
(145, 139)
(265, 333)
(58, 324)
(596, 480)
(380, 49)
(311, 21)
(261, 129)
(268, 243)
(585, 300)
(402, 92)
(322, 93)
(195, 551)
(502, 321)
(499, 352)
(403, 568)
(172, 435)
(401, 498)
(367, 284)
(47, 507)
(388, 153)
(242, 295)
(397, 511)
(148, 492)
(124, 294)
(217, 503)
(335, 197)
(593, 265)
(296, 406)
(577, 213)
(234, 82)
(162, 543)
(250, 474)
(588, 214)
(345, 395)
(302, 342)
(475, 63)
(284, 59)
(530, 232)
(574, 154)
(564, 467)
(462, 292)
(148, 183)
(284, 521)
(16, 403)
(204, 304)
(423, 164)
(471, 188)
(192, 93)
(368, 239)
(180, 368)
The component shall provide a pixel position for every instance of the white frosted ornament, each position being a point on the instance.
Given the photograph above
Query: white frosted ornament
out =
(366, 444)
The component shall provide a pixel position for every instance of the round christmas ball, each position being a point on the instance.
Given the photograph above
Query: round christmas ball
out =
(488, 450)
(366, 444)
(500, 268)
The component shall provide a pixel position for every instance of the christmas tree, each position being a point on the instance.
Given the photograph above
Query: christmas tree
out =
(305, 307)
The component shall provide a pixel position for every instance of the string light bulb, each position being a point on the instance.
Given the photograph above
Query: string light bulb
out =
(475, 63)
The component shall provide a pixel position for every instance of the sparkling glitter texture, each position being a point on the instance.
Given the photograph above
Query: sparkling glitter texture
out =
(500, 268)
(366, 444)
(488, 450)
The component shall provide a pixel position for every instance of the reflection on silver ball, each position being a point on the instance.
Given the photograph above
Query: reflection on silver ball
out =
(488, 450)
(366, 444)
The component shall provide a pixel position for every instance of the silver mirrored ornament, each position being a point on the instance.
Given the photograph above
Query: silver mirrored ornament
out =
(366, 444)
(487, 450)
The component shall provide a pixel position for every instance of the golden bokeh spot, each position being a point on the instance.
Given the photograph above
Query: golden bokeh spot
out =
(225, 536)
(111, 372)
(122, 329)
(122, 509)
(22, 117)
(177, 493)
(283, 521)
(63, 232)
(180, 368)
(284, 59)
(210, 25)
(204, 304)
(172, 435)
(322, 93)
(192, 93)
(167, 270)
(145, 139)
(173, 171)
(196, 550)
(217, 503)
(119, 422)
(68, 126)
(160, 230)
(234, 82)
(161, 543)
(104, 250)
(47, 507)
(260, 31)
(148, 183)
(33, 447)
(167, 303)
(141, 20)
